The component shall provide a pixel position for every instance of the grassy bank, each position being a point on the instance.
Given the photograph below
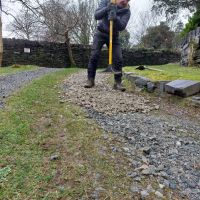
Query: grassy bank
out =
(16, 68)
(35, 126)
(169, 72)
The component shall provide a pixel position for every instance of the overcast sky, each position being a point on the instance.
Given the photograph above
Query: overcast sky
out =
(136, 7)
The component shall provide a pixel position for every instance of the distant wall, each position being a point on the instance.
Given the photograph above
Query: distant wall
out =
(190, 48)
(56, 55)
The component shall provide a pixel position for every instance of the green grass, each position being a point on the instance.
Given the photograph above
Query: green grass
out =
(35, 125)
(170, 72)
(16, 68)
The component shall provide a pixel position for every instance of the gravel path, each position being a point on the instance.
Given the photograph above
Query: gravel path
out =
(12, 82)
(163, 147)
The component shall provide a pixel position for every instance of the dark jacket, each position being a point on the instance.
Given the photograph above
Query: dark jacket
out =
(123, 16)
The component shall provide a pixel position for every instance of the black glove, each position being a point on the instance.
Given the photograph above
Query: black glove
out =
(112, 11)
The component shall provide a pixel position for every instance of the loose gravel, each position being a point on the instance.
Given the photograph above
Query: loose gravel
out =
(11, 83)
(160, 146)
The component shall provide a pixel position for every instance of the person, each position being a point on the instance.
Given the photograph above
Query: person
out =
(120, 14)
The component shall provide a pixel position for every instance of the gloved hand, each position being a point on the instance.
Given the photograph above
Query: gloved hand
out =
(112, 11)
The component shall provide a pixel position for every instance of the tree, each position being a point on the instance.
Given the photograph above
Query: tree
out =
(124, 38)
(87, 24)
(173, 6)
(24, 25)
(158, 37)
(142, 22)
(177, 35)
(60, 19)
(192, 24)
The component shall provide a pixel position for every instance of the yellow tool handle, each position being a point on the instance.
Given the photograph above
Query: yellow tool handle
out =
(111, 43)
(111, 39)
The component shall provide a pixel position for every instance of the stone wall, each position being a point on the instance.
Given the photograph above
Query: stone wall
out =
(190, 49)
(56, 55)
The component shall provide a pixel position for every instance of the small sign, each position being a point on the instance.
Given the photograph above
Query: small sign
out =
(27, 50)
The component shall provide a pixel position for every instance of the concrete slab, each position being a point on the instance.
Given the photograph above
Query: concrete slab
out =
(183, 88)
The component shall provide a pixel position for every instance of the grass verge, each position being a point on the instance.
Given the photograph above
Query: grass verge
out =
(169, 72)
(17, 68)
(36, 125)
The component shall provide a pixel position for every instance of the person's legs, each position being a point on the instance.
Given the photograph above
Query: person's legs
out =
(118, 64)
(117, 60)
(95, 54)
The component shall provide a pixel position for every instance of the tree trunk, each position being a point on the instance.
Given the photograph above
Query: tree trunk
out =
(1, 39)
(71, 58)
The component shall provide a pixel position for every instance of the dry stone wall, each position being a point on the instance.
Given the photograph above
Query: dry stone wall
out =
(56, 55)
(190, 49)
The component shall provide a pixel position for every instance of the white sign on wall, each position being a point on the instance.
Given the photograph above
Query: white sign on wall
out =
(27, 50)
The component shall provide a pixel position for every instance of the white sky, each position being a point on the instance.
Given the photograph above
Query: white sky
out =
(136, 7)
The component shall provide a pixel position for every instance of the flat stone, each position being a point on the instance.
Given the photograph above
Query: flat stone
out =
(172, 185)
(144, 194)
(133, 78)
(135, 188)
(151, 87)
(195, 103)
(183, 88)
(142, 82)
(160, 85)
(149, 171)
(161, 186)
(197, 98)
(158, 194)
(127, 74)
(146, 150)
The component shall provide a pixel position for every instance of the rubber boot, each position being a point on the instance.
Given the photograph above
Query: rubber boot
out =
(90, 83)
(119, 86)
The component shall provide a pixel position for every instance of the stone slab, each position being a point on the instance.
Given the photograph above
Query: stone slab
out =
(142, 82)
(151, 87)
(133, 78)
(183, 88)
(160, 85)
(196, 103)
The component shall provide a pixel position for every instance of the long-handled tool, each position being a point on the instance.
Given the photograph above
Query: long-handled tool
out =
(111, 40)
(110, 63)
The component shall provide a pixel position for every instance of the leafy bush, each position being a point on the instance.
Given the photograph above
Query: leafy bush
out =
(192, 24)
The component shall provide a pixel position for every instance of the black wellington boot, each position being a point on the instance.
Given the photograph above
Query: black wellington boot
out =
(119, 86)
(90, 83)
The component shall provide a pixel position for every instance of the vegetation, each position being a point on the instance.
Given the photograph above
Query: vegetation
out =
(192, 24)
(158, 37)
(16, 68)
(36, 125)
(169, 72)
(124, 38)
(173, 7)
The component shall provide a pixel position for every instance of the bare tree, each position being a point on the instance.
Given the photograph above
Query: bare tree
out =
(24, 25)
(60, 19)
(56, 17)
(87, 24)
(142, 22)
(57, 21)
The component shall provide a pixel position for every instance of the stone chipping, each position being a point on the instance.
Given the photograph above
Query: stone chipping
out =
(160, 146)
(12, 82)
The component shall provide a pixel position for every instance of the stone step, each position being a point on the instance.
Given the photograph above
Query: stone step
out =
(183, 88)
